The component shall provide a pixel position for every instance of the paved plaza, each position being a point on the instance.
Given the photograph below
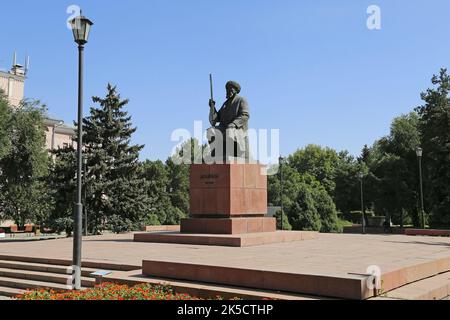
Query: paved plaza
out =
(327, 254)
(401, 259)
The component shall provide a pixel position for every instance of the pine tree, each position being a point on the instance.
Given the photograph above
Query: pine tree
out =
(365, 154)
(117, 188)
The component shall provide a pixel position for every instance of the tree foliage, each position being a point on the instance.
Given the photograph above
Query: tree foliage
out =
(62, 183)
(393, 179)
(24, 165)
(115, 179)
(318, 162)
(308, 206)
(124, 193)
(5, 125)
(435, 135)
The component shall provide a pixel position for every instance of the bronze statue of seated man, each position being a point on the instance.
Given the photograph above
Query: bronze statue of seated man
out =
(228, 137)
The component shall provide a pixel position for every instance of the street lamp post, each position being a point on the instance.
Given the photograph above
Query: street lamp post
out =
(281, 160)
(419, 153)
(361, 177)
(81, 27)
(85, 196)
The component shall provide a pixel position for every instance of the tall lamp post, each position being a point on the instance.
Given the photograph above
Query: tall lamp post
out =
(85, 195)
(363, 210)
(80, 27)
(281, 160)
(419, 152)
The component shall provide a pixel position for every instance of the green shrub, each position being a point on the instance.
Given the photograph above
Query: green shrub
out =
(152, 220)
(286, 225)
(327, 211)
(62, 225)
(302, 213)
(118, 224)
(174, 216)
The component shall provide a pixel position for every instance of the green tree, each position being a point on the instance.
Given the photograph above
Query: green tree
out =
(303, 213)
(5, 141)
(347, 191)
(327, 211)
(61, 181)
(155, 172)
(307, 203)
(393, 180)
(286, 224)
(365, 154)
(291, 184)
(435, 135)
(178, 188)
(319, 162)
(24, 193)
(115, 179)
(5, 125)
(178, 172)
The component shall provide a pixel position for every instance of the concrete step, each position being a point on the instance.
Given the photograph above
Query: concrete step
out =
(37, 260)
(26, 284)
(434, 288)
(59, 269)
(10, 292)
(44, 277)
(62, 262)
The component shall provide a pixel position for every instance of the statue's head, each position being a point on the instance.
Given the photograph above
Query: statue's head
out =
(233, 88)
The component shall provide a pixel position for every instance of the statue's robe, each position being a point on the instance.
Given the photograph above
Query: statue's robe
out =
(234, 111)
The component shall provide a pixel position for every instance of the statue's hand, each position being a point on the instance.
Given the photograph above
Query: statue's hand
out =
(212, 103)
(232, 126)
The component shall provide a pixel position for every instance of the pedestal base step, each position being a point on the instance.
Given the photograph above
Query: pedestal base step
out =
(229, 225)
(334, 285)
(242, 240)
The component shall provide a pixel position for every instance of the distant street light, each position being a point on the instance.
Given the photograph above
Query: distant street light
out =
(81, 27)
(419, 152)
(56, 125)
(363, 210)
(281, 161)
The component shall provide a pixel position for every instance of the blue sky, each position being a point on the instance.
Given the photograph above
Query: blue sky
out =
(309, 68)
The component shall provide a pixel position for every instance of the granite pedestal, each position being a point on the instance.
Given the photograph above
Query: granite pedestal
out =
(228, 207)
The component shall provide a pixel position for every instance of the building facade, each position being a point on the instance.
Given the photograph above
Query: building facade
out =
(58, 134)
(12, 83)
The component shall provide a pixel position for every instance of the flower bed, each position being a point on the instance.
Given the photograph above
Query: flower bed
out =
(111, 291)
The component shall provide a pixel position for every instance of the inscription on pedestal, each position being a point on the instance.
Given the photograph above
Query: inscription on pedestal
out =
(209, 179)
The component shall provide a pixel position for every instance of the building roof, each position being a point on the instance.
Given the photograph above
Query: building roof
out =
(60, 126)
